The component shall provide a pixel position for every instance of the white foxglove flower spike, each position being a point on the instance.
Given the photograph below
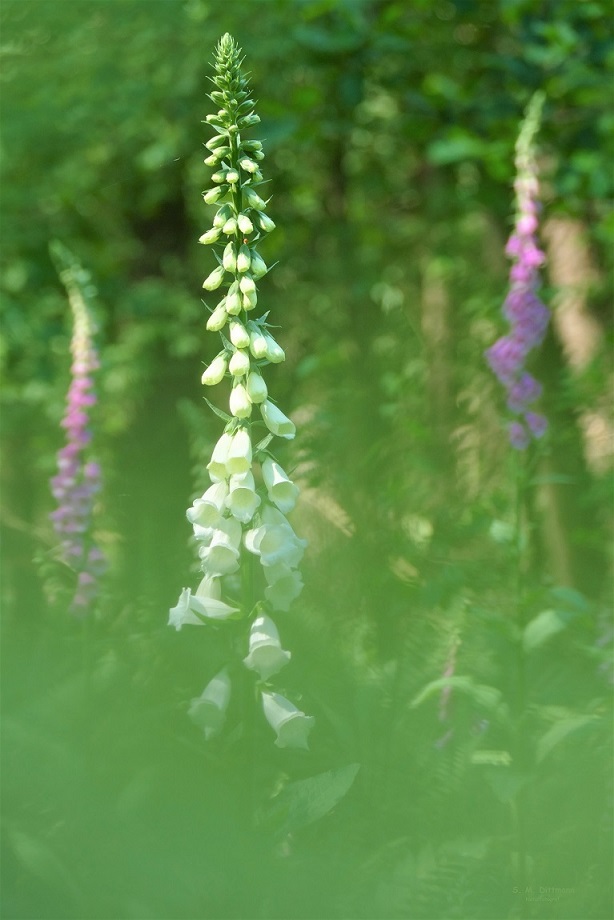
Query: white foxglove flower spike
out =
(239, 522)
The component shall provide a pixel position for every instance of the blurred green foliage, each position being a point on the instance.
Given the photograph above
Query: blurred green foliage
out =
(389, 130)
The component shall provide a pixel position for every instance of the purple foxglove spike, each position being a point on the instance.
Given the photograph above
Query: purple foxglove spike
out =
(78, 478)
(527, 316)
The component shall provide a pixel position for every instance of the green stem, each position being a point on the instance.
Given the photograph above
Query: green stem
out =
(519, 808)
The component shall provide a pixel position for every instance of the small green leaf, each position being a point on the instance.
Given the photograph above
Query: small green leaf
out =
(560, 731)
(219, 412)
(546, 624)
(307, 800)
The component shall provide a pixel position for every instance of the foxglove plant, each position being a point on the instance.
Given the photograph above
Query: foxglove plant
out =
(78, 479)
(240, 520)
(526, 314)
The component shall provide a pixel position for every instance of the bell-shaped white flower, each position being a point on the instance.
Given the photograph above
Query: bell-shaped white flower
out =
(221, 556)
(242, 500)
(216, 370)
(284, 585)
(240, 403)
(291, 726)
(275, 542)
(207, 510)
(282, 491)
(266, 655)
(217, 464)
(276, 421)
(239, 363)
(195, 609)
(239, 456)
(208, 710)
(207, 600)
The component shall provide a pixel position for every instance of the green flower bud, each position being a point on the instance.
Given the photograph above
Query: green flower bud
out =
(216, 370)
(211, 236)
(249, 301)
(218, 140)
(247, 285)
(264, 222)
(244, 259)
(253, 199)
(239, 336)
(232, 176)
(256, 387)
(257, 342)
(224, 213)
(245, 224)
(233, 300)
(218, 318)
(274, 352)
(230, 226)
(240, 404)
(213, 281)
(217, 97)
(220, 175)
(213, 160)
(251, 146)
(248, 165)
(258, 265)
(248, 120)
(239, 363)
(214, 194)
(229, 259)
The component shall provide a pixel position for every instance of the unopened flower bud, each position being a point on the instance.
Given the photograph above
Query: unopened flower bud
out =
(239, 363)
(240, 403)
(232, 176)
(256, 387)
(213, 281)
(218, 140)
(218, 318)
(239, 336)
(224, 213)
(274, 352)
(257, 343)
(230, 226)
(248, 165)
(229, 259)
(249, 300)
(243, 259)
(220, 176)
(233, 300)
(245, 224)
(216, 370)
(214, 194)
(211, 236)
(258, 265)
(264, 222)
(248, 120)
(253, 199)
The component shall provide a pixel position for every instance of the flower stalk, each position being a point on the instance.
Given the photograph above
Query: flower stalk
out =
(525, 313)
(249, 552)
(78, 479)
